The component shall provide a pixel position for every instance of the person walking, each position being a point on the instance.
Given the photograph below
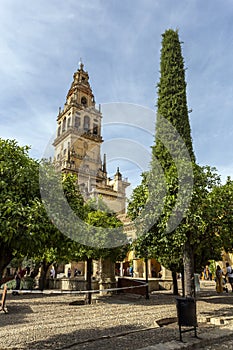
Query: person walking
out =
(206, 272)
(229, 275)
(219, 280)
(69, 272)
(18, 280)
(17, 283)
(131, 270)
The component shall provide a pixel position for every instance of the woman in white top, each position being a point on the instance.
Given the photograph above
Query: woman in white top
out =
(229, 275)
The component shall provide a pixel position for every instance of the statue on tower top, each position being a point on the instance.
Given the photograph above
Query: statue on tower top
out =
(81, 65)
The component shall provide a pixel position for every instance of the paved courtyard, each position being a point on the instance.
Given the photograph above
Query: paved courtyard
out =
(123, 322)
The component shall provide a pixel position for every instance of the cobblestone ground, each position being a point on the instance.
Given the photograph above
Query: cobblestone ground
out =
(228, 344)
(118, 322)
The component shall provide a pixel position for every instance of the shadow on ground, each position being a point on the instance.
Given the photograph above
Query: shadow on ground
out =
(16, 314)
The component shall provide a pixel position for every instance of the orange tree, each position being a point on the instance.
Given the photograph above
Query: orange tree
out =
(18, 189)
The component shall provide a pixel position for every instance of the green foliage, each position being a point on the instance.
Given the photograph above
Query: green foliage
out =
(105, 229)
(138, 198)
(103, 219)
(220, 214)
(18, 190)
(95, 204)
(52, 245)
(165, 246)
(27, 230)
(172, 102)
(25, 283)
(73, 195)
(10, 284)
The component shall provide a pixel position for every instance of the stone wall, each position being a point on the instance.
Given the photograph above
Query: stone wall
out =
(70, 284)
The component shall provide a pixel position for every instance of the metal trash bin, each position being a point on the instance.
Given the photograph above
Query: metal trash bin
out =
(186, 314)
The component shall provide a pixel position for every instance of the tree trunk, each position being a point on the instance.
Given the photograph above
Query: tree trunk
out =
(182, 282)
(89, 273)
(175, 284)
(188, 269)
(44, 270)
(5, 258)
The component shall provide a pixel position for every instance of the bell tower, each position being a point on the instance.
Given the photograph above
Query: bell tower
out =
(78, 143)
(78, 139)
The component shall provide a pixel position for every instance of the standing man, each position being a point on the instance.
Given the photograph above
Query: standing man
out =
(131, 270)
(17, 281)
(69, 272)
(229, 274)
(52, 272)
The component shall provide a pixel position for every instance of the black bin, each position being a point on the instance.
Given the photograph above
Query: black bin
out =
(186, 312)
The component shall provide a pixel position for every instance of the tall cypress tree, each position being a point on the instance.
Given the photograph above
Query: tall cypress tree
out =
(173, 148)
(170, 205)
(172, 102)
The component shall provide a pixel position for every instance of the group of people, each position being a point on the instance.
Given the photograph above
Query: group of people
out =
(207, 275)
(69, 273)
(221, 279)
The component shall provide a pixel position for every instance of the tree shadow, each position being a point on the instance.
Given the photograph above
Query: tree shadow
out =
(222, 312)
(225, 299)
(16, 314)
(125, 337)
(224, 302)
(118, 337)
(124, 298)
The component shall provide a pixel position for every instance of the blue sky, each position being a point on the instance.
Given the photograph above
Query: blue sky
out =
(119, 42)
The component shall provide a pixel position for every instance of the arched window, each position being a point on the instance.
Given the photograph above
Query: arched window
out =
(59, 130)
(86, 123)
(77, 122)
(84, 101)
(95, 129)
(64, 125)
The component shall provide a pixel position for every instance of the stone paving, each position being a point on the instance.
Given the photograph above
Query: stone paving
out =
(118, 322)
(221, 345)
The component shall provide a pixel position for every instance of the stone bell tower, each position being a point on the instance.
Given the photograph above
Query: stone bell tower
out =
(78, 145)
